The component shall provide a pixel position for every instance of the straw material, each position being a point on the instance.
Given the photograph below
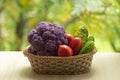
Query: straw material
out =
(60, 65)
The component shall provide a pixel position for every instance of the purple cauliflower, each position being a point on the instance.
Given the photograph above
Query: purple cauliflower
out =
(46, 38)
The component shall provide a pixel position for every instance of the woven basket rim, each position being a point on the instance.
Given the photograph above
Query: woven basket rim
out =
(27, 54)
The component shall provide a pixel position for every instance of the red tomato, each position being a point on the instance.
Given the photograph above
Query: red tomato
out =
(69, 37)
(76, 44)
(64, 51)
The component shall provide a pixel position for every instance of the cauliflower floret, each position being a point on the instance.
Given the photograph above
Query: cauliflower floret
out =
(46, 38)
(50, 45)
(37, 42)
(48, 35)
(32, 50)
(31, 34)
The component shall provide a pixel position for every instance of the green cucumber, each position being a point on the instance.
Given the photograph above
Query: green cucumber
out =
(88, 47)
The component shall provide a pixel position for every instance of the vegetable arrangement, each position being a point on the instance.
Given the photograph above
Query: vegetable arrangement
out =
(50, 39)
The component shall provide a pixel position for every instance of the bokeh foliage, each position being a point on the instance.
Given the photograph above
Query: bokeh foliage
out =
(101, 18)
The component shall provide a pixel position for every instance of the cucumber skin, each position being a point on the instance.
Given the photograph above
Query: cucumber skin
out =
(91, 38)
(88, 47)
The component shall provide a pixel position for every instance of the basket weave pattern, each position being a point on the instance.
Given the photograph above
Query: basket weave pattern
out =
(60, 65)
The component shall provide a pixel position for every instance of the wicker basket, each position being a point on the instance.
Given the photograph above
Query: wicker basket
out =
(60, 65)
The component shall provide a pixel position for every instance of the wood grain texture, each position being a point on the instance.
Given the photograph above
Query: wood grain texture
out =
(15, 66)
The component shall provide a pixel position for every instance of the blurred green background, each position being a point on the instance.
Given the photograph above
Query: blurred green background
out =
(101, 18)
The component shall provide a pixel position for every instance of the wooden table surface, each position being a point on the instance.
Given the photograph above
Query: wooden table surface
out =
(15, 66)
